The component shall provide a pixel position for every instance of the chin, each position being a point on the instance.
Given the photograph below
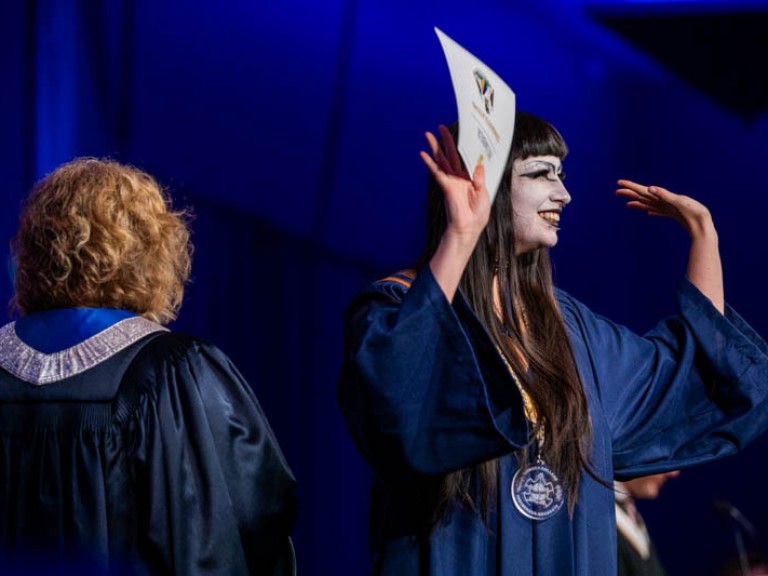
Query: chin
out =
(551, 244)
(533, 246)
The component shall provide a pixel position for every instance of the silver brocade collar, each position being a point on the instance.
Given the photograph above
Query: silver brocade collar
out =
(38, 368)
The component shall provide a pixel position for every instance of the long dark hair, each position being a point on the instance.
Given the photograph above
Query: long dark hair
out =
(527, 326)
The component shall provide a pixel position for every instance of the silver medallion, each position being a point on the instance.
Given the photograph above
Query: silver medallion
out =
(537, 492)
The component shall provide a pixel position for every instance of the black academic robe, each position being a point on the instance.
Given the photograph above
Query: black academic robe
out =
(155, 460)
(632, 564)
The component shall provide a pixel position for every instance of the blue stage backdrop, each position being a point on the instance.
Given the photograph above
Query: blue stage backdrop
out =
(292, 130)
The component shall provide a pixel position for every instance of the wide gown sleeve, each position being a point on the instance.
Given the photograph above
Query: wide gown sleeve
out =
(691, 390)
(219, 495)
(423, 389)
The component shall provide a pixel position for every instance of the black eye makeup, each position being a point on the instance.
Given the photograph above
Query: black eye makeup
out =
(541, 169)
(538, 174)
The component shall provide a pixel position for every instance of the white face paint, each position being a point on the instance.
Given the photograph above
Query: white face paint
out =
(538, 198)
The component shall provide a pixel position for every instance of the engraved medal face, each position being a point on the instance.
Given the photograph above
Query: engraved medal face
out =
(537, 492)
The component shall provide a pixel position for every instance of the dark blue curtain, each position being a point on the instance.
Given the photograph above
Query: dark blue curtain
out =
(273, 302)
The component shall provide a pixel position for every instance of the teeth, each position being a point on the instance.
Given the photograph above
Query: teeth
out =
(551, 217)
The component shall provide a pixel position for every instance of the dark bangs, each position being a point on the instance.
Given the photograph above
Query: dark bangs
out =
(536, 137)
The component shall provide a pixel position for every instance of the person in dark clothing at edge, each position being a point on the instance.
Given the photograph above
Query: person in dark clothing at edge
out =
(495, 409)
(125, 448)
(637, 553)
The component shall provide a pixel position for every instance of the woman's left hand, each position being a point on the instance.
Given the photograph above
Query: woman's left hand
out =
(705, 269)
(657, 201)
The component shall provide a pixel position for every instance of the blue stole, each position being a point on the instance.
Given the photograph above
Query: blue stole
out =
(51, 331)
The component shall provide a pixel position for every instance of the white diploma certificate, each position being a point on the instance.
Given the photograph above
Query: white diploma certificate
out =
(486, 107)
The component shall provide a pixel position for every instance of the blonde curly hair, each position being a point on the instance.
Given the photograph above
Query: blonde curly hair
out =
(95, 233)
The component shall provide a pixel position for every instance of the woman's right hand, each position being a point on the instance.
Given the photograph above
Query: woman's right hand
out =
(467, 202)
(467, 207)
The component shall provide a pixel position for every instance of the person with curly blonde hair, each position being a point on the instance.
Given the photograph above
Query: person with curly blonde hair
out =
(79, 246)
(124, 447)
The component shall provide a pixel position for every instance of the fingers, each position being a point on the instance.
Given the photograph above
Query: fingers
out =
(445, 158)
(478, 181)
(644, 197)
(635, 200)
(437, 153)
(433, 167)
(478, 178)
(432, 141)
(653, 200)
(451, 152)
(661, 193)
(639, 197)
(630, 184)
(644, 191)
(439, 171)
(632, 189)
(649, 209)
(627, 193)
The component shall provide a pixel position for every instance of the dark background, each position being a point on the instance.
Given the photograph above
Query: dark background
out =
(293, 129)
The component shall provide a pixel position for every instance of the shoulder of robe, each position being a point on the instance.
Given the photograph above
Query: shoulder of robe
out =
(395, 285)
(164, 356)
(390, 289)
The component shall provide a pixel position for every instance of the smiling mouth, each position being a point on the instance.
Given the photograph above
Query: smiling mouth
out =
(552, 218)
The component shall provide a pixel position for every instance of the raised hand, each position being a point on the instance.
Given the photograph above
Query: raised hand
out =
(467, 208)
(704, 266)
(657, 201)
(467, 202)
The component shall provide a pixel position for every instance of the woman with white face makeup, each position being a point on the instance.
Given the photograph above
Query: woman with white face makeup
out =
(539, 198)
(496, 410)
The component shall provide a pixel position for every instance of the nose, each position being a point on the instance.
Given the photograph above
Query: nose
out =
(560, 193)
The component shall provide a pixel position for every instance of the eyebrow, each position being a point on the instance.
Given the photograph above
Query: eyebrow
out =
(533, 165)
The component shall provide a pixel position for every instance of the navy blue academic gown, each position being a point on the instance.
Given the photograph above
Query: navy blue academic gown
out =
(131, 450)
(424, 392)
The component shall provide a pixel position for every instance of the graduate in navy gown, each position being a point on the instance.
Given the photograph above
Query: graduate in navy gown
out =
(125, 448)
(495, 410)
